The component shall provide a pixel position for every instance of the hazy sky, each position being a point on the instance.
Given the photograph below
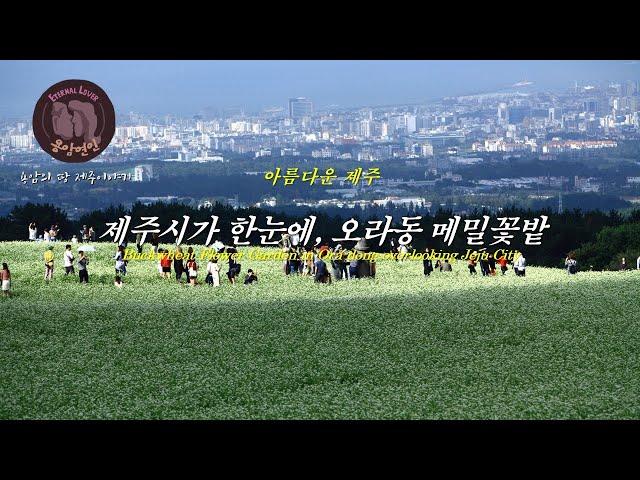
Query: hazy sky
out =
(186, 87)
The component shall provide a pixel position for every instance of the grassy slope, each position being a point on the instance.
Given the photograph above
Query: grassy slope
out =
(546, 346)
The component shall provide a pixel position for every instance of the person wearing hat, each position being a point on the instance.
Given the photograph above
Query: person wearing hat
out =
(48, 263)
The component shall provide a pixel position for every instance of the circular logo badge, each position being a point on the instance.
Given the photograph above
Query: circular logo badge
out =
(74, 121)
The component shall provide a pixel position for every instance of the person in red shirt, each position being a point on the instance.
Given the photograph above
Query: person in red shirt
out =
(165, 264)
(502, 261)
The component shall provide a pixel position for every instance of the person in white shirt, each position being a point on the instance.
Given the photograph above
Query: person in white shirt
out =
(638, 263)
(520, 265)
(213, 273)
(33, 232)
(47, 237)
(68, 261)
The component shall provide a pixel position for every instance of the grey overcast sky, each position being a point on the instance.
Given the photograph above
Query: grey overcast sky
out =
(187, 87)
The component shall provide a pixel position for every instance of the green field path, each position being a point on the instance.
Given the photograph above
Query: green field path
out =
(546, 346)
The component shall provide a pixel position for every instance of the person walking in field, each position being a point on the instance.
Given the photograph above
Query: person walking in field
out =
(178, 264)
(84, 233)
(334, 266)
(492, 264)
(234, 266)
(502, 261)
(5, 279)
(121, 264)
(623, 265)
(83, 261)
(139, 242)
(520, 266)
(192, 270)
(55, 232)
(321, 271)
(484, 266)
(427, 263)
(48, 263)
(393, 248)
(165, 264)
(159, 261)
(285, 245)
(155, 242)
(68, 261)
(33, 232)
(341, 259)
(307, 262)
(472, 266)
(213, 273)
(403, 251)
(571, 264)
(446, 266)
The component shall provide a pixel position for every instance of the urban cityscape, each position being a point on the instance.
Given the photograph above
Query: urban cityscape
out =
(518, 146)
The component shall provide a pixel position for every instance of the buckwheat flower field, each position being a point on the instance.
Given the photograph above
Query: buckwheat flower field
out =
(546, 346)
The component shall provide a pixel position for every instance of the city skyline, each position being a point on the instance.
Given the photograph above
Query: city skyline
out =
(191, 87)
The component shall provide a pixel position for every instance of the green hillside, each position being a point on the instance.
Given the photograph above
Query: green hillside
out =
(548, 345)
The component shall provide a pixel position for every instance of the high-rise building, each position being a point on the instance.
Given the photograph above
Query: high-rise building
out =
(555, 114)
(300, 107)
(425, 122)
(365, 128)
(21, 141)
(502, 113)
(410, 123)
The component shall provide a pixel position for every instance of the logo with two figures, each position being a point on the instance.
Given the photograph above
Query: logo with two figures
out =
(74, 121)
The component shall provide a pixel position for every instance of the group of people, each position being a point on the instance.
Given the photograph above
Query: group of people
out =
(323, 262)
(571, 264)
(187, 265)
(487, 265)
(52, 234)
(624, 266)
(48, 234)
(69, 260)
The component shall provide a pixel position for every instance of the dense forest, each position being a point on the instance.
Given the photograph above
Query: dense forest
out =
(599, 239)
